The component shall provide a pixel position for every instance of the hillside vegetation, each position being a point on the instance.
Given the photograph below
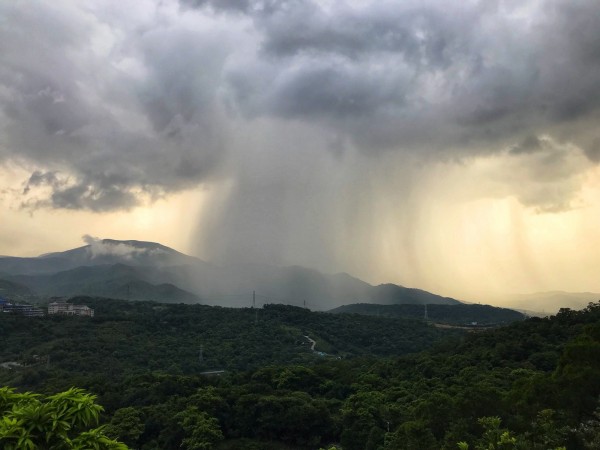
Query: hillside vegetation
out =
(459, 314)
(137, 337)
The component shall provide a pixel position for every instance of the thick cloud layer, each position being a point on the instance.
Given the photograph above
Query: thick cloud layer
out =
(109, 107)
(111, 104)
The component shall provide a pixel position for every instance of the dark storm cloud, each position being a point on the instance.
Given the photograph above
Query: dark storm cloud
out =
(93, 197)
(530, 144)
(318, 90)
(96, 192)
(569, 58)
(108, 122)
(218, 5)
(423, 36)
(38, 178)
(126, 104)
(346, 63)
(593, 150)
(484, 75)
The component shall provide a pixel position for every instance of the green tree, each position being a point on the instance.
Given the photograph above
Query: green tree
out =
(360, 414)
(589, 431)
(412, 435)
(546, 432)
(56, 422)
(496, 438)
(202, 431)
(578, 372)
(126, 425)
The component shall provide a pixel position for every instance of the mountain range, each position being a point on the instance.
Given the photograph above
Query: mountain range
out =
(138, 270)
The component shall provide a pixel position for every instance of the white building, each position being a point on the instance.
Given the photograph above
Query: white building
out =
(69, 309)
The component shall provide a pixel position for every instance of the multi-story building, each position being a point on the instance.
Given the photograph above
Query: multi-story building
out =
(69, 309)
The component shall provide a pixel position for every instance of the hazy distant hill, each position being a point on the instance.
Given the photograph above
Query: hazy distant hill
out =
(116, 281)
(458, 314)
(13, 290)
(390, 294)
(550, 302)
(140, 270)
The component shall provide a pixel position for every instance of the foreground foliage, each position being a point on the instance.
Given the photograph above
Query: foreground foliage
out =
(56, 422)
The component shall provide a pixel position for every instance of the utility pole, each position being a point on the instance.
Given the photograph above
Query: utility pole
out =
(254, 307)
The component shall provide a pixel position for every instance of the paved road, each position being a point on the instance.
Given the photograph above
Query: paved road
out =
(312, 343)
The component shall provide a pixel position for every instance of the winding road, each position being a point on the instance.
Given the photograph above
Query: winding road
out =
(312, 343)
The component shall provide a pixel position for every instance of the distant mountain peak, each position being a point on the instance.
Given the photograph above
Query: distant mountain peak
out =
(127, 249)
(142, 245)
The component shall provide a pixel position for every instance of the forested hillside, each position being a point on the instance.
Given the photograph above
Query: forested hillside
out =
(535, 383)
(458, 314)
(137, 337)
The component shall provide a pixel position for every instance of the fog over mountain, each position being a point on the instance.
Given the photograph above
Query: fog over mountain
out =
(452, 146)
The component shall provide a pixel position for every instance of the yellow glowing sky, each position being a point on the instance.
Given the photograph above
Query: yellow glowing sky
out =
(470, 240)
(169, 221)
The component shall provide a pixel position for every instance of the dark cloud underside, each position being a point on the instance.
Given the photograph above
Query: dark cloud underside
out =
(112, 106)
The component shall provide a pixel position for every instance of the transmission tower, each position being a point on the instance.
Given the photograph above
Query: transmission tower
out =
(426, 317)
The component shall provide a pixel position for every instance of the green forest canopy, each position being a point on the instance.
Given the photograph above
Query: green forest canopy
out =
(399, 383)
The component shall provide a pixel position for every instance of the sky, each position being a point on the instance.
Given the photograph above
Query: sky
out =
(449, 146)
